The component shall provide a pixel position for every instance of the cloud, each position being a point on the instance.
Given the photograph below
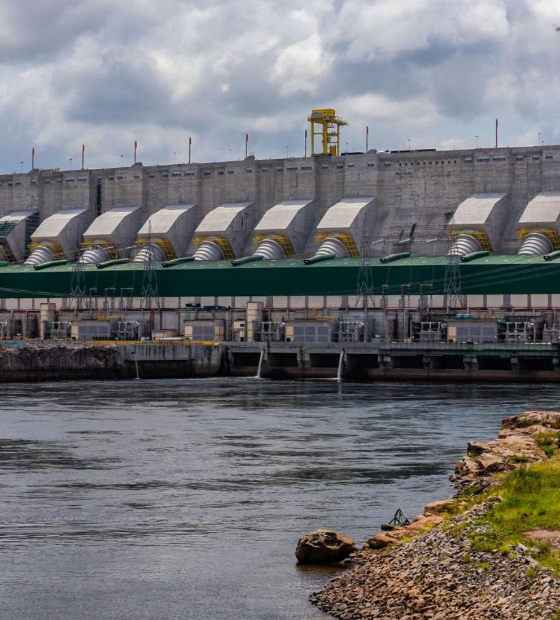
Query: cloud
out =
(432, 71)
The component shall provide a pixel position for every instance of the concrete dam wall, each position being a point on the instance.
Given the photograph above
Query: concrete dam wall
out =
(415, 194)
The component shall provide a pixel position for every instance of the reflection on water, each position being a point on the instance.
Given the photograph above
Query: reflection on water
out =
(184, 499)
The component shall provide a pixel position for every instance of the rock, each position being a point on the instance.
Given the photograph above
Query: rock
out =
(438, 508)
(466, 466)
(491, 463)
(476, 448)
(324, 547)
(380, 541)
(427, 572)
(549, 419)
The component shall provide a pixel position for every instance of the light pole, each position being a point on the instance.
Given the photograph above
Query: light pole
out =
(476, 142)
(174, 156)
(122, 161)
(20, 167)
(408, 144)
(70, 160)
(287, 151)
(539, 138)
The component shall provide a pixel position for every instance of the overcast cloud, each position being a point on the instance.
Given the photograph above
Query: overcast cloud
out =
(105, 73)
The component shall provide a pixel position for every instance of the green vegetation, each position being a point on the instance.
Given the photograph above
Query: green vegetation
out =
(532, 573)
(530, 501)
(483, 565)
(548, 443)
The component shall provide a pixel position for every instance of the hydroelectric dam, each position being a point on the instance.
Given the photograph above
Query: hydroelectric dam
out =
(423, 264)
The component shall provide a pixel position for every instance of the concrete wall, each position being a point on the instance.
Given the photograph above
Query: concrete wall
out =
(415, 191)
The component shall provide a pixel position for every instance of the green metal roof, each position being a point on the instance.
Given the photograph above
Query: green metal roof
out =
(488, 275)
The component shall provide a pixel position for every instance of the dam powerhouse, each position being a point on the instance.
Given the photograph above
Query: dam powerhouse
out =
(422, 264)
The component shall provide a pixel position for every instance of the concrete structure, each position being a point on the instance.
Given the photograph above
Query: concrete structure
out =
(261, 233)
(341, 229)
(111, 235)
(224, 232)
(57, 236)
(539, 226)
(283, 231)
(15, 231)
(478, 223)
(167, 232)
(416, 193)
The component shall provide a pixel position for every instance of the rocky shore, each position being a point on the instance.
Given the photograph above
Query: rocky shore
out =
(491, 552)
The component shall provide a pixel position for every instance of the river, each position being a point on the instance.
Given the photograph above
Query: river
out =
(184, 499)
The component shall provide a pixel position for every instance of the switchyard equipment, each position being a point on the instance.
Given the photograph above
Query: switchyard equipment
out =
(326, 124)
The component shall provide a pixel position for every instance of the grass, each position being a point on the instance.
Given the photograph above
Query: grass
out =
(531, 500)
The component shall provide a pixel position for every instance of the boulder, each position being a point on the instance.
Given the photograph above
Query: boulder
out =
(476, 448)
(492, 463)
(438, 508)
(380, 541)
(324, 547)
(466, 466)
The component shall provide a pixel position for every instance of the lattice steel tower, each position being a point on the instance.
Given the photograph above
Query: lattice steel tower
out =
(364, 286)
(149, 280)
(78, 287)
(452, 290)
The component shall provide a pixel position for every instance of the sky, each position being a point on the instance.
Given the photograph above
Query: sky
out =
(105, 73)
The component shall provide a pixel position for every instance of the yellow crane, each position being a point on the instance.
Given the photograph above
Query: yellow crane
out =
(327, 124)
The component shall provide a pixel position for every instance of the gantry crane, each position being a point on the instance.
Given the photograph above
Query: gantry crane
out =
(327, 124)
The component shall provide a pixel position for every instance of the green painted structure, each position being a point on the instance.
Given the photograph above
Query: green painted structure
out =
(508, 274)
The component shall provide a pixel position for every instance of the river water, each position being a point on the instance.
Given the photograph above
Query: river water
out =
(184, 499)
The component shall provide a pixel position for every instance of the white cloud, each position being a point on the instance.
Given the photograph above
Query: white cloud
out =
(434, 71)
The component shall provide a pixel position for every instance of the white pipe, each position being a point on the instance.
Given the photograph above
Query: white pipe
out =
(464, 244)
(536, 243)
(208, 250)
(332, 245)
(149, 251)
(93, 255)
(40, 255)
(270, 250)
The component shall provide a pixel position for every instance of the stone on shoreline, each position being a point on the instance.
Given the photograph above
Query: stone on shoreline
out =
(425, 572)
(324, 547)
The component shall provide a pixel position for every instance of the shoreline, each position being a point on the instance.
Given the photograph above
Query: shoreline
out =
(471, 557)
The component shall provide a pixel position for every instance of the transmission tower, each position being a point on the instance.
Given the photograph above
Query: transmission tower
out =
(364, 286)
(77, 282)
(453, 277)
(149, 281)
